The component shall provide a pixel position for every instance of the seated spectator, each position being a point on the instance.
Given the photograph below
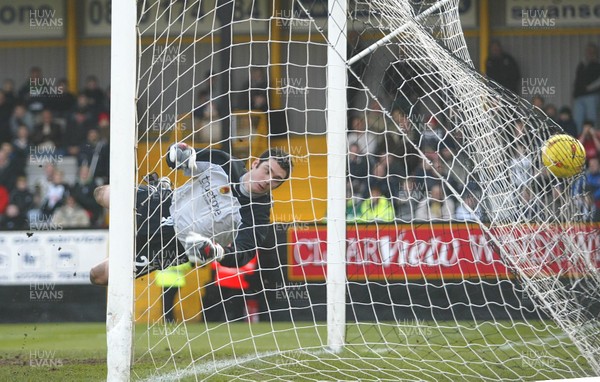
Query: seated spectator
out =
(55, 194)
(471, 213)
(104, 126)
(21, 144)
(21, 196)
(566, 122)
(253, 95)
(551, 111)
(538, 101)
(64, 101)
(70, 215)
(5, 114)
(429, 172)
(358, 170)
(436, 206)
(590, 138)
(48, 133)
(8, 88)
(8, 169)
(4, 198)
(76, 132)
(83, 192)
(592, 177)
(94, 153)
(33, 93)
(13, 219)
(42, 183)
(96, 97)
(376, 209)
(365, 140)
(408, 200)
(432, 135)
(21, 117)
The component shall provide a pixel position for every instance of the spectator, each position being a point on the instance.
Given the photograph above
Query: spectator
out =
(64, 101)
(55, 194)
(565, 121)
(5, 114)
(70, 215)
(20, 117)
(432, 135)
(430, 172)
(43, 183)
(387, 174)
(358, 169)
(21, 196)
(94, 154)
(590, 138)
(521, 166)
(33, 92)
(377, 208)
(551, 111)
(8, 88)
(592, 176)
(13, 219)
(48, 133)
(408, 200)
(472, 213)
(4, 199)
(435, 207)
(538, 101)
(586, 93)
(8, 170)
(366, 140)
(76, 132)
(254, 94)
(95, 96)
(502, 68)
(21, 145)
(104, 126)
(83, 192)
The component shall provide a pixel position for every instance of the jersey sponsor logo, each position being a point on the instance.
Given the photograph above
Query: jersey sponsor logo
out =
(210, 196)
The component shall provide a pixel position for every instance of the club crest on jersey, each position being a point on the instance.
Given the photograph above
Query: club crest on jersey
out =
(224, 190)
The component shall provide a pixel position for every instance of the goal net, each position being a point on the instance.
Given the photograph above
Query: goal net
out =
(463, 257)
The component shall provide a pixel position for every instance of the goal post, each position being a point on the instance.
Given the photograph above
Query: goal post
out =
(119, 316)
(336, 175)
(419, 237)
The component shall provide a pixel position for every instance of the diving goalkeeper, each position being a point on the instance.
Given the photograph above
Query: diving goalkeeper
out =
(222, 214)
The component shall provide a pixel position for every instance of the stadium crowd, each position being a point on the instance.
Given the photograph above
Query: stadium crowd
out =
(54, 150)
(49, 135)
(389, 182)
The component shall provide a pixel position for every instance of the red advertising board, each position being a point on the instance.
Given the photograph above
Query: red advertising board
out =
(436, 251)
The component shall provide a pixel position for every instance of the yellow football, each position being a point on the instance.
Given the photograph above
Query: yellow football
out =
(563, 155)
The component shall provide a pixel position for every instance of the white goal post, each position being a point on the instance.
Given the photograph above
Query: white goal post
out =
(419, 236)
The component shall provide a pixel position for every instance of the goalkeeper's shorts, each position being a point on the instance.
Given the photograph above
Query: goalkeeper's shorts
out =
(156, 245)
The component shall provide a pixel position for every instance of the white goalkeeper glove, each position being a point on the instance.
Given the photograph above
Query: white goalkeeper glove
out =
(201, 250)
(182, 156)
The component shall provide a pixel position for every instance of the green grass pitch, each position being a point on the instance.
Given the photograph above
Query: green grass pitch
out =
(389, 351)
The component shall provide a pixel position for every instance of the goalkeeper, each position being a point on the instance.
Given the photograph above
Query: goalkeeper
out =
(223, 214)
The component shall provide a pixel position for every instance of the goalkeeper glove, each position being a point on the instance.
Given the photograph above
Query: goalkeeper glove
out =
(201, 250)
(182, 156)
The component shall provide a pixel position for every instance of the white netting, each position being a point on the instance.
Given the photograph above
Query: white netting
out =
(466, 258)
